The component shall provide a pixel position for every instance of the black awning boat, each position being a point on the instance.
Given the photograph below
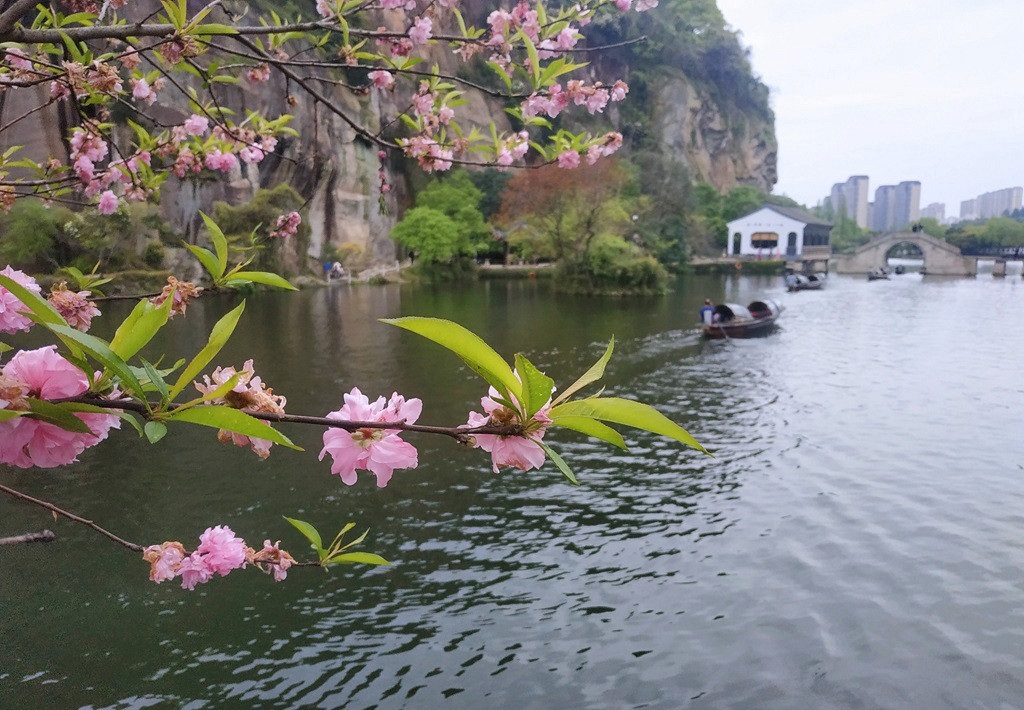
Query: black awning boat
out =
(731, 320)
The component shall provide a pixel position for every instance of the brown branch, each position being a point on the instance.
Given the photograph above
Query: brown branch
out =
(71, 516)
(44, 536)
(460, 434)
(15, 13)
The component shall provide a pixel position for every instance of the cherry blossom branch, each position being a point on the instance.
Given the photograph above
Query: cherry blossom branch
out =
(460, 434)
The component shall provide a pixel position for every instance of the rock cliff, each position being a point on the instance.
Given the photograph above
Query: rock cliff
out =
(337, 172)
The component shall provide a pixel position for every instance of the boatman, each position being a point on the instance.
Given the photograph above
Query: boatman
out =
(707, 312)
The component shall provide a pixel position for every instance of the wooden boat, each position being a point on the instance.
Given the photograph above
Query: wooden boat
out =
(731, 320)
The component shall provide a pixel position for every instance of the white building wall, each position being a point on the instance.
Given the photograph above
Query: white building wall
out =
(764, 220)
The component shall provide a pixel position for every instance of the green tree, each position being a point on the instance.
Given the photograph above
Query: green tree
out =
(456, 197)
(741, 201)
(1003, 231)
(432, 235)
(930, 225)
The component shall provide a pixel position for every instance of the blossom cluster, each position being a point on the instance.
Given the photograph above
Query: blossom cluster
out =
(374, 449)
(220, 551)
(287, 225)
(249, 394)
(519, 451)
(27, 442)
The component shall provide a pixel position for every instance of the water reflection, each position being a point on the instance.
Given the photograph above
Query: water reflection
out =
(849, 545)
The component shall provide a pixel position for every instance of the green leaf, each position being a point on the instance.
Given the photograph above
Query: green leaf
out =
(57, 415)
(220, 243)
(260, 277)
(139, 327)
(7, 414)
(558, 461)
(628, 412)
(155, 431)
(101, 352)
(214, 28)
(535, 68)
(218, 337)
(157, 381)
(125, 416)
(309, 532)
(591, 427)
(351, 558)
(595, 373)
(480, 357)
(537, 386)
(206, 258)
(231, 419)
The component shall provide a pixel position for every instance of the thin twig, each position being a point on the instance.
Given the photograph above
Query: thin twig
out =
(71, 516)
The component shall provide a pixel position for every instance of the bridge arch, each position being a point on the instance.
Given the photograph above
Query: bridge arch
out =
(939, 257)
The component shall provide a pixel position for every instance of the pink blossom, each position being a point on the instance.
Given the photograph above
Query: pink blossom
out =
(259, 73)
(623, 5)
(87, 144)
(423, 103)
(222, 551)
(74, 307)
(216, 160)
(619, 90)
(380, 451)
(18, 59)
(381, 79)
(287, 225)
(11, 308)
(419, 33)
(186, 163)
(325, 9)
(644, 5)
(130, 60)
(164, 560)
(569, 159)
(194, 570)
(142, 91)
(522, 452)
(184, 291)
(107, 203)
(196, 125)
(277, 560)
(251, 154)
(26, 442)
(249, 394)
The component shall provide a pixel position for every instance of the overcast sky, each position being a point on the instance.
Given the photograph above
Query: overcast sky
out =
(927, 90)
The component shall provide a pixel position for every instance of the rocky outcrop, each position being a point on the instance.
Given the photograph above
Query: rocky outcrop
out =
(721, 147)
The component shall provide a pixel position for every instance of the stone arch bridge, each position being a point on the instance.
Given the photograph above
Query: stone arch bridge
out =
(941, 258)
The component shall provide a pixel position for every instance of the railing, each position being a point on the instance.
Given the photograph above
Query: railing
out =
(996, 252)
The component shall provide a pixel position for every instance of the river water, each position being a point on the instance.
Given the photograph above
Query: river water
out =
(856, 541)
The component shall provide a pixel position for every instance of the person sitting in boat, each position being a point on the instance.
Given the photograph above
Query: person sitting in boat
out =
(707, 312)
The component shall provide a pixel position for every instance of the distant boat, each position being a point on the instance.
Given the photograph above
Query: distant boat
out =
(731, 320)
(802, 282)
(879, 273)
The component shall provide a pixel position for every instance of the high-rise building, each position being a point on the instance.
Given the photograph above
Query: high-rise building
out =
(850, 198)
(968, 210)
(936, 211)
(999, 202)
(907, 209)
(883, 214)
